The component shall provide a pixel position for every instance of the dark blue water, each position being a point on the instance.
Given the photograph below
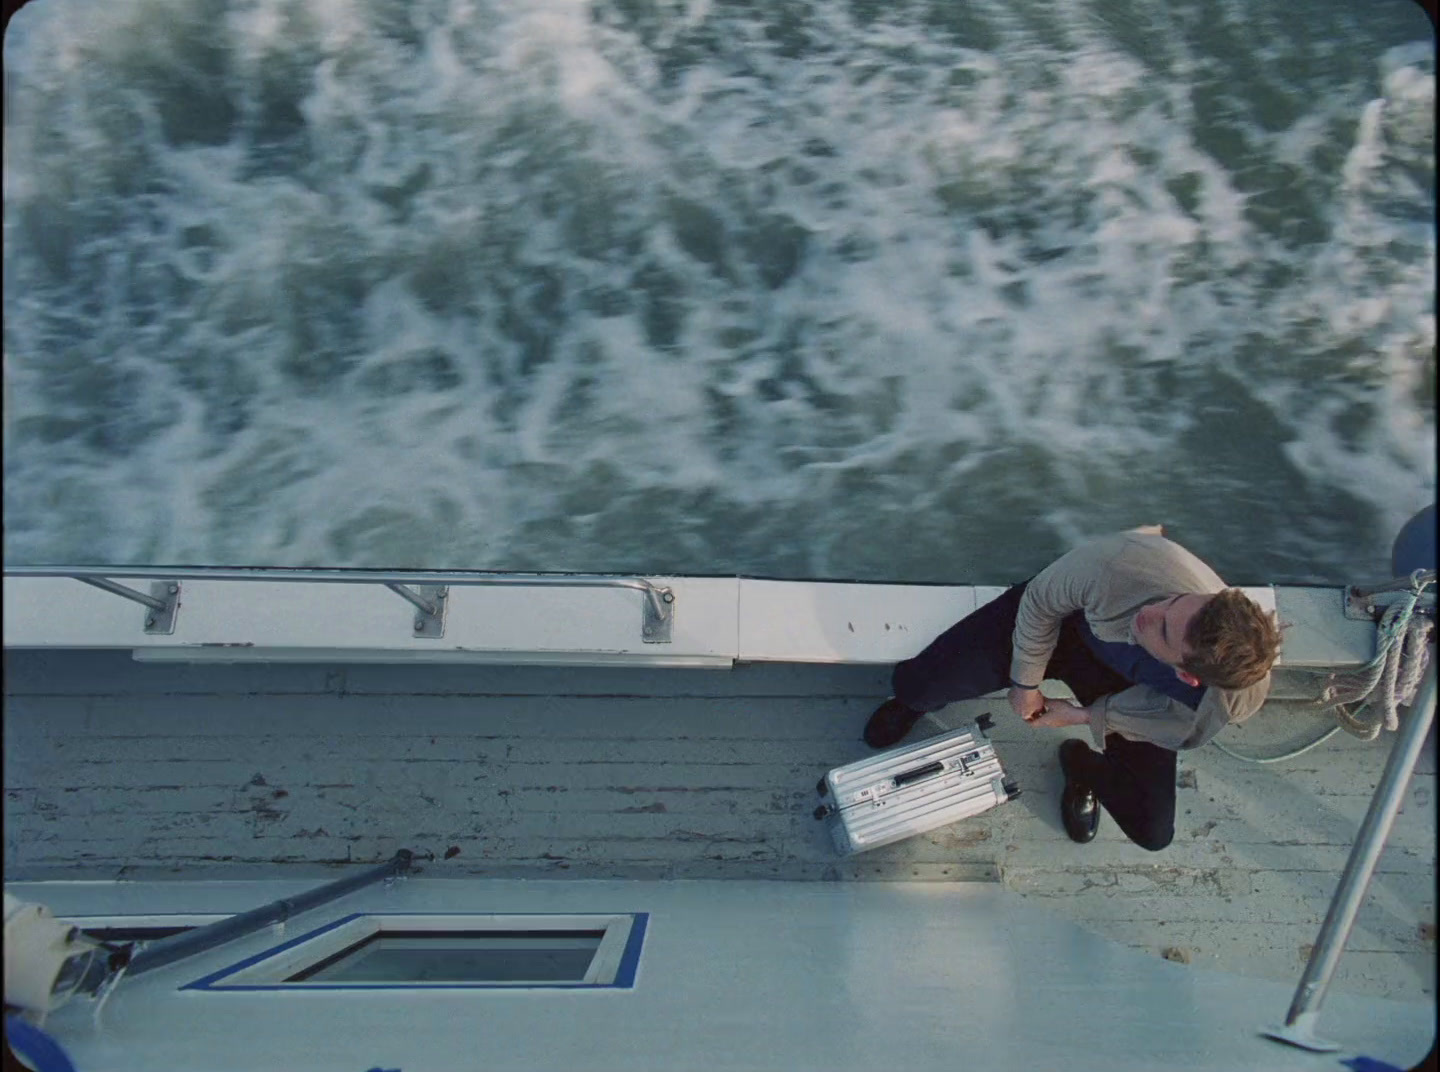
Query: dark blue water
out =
(912, 291)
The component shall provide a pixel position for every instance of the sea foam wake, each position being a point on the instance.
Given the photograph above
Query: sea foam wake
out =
(915, 291)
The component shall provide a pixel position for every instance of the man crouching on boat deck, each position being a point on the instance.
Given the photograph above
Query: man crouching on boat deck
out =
(1160, 654)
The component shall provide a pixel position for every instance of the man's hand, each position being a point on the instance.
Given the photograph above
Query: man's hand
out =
(1027, 703)
(1062, 713)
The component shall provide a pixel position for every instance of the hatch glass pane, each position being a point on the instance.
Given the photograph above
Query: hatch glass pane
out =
(496, 957)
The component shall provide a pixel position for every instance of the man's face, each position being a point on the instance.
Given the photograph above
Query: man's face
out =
(1160, 627)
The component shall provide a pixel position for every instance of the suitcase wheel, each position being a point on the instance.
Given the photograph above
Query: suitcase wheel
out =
(821, 811)
(821, 787)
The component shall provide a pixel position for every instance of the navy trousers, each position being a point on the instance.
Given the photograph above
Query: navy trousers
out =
(1134, 780)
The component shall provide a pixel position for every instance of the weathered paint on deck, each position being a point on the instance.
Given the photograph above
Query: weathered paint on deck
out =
(120, 769)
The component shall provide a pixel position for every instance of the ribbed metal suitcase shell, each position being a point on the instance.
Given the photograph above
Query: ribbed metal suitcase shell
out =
(913, 789)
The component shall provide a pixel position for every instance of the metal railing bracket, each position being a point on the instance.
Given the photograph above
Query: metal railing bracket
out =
(1370, 602)
(161, 605)
(659, 606)
(430, 601)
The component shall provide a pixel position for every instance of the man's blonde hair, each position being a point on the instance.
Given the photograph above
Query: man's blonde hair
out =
(1231, 642)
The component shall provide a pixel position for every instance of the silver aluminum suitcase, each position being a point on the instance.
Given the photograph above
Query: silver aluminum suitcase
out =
(913, 789)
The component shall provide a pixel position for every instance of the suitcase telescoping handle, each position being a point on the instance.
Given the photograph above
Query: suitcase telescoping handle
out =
(918, 773)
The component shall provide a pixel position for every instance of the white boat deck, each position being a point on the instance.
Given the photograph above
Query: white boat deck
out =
(115, 769)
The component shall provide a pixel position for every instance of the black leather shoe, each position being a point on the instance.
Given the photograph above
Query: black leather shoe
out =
(1080, 812)
(1079, 807)
(891, 721)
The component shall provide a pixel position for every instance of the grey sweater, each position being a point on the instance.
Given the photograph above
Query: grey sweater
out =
(1110, 579)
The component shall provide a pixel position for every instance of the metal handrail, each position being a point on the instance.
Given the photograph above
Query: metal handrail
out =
(1299, 1025)
(187, 944)
(659, 599)
(136, 959)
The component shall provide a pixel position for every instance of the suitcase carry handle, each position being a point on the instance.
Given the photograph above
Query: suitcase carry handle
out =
(918, 773)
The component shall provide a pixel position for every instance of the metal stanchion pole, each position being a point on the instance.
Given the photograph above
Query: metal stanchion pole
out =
(1305, 1007)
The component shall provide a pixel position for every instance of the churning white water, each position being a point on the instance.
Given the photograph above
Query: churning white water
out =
(918, 290)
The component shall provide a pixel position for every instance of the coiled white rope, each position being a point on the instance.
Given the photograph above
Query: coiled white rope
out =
(1402, 653)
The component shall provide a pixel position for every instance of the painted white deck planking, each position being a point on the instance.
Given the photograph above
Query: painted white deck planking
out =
(119, 769)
